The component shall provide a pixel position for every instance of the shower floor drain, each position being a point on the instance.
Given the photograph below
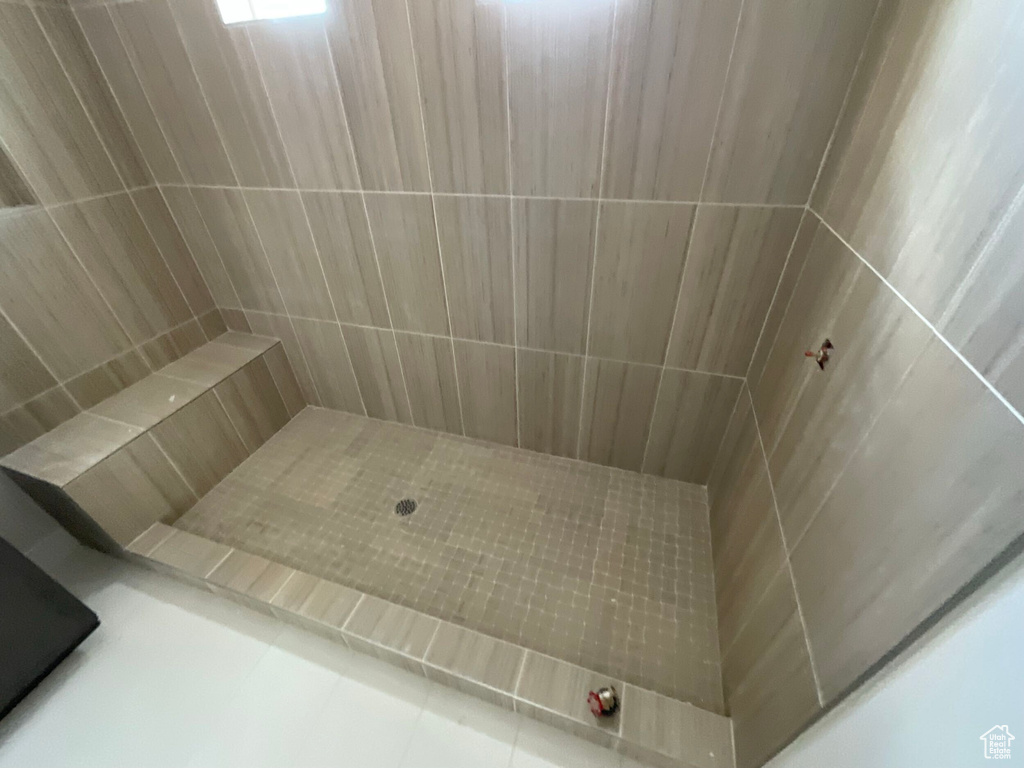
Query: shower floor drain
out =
(405, 507)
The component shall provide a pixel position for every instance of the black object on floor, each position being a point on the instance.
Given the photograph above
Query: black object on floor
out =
(40, 624)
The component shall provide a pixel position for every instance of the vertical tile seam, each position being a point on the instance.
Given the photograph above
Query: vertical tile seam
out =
(437, 234)
(507, 65)
(174, 466)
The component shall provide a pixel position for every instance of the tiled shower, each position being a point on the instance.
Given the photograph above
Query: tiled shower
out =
(549, 268)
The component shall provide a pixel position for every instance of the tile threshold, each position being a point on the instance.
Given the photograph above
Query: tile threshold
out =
(695, 738)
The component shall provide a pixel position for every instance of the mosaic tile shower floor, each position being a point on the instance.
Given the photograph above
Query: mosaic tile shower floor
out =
(603, 568)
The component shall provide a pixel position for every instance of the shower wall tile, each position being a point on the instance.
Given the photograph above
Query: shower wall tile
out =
(406, 241)
(283, 230)
(429, 365)
(790, 70)
(324, 350)
(106, 380)
(185, 211)
(558, 85)
(83, 70)
(252, 401)
(641, 250)
(487, 382)
(342, 236)
(23, 375)
(295, 63)
(213, 324)
(36, 417)
(460, 51)
(42, 122)
(14, 190)
(935, 491)
(284, 378)
(376, 68)
(719, 480)
(154, 46)
(105, 44)
(113, 244)
(476, 250)
(690, 418)
(669, 63)
(378, 370)
(280, 327)
(227, 71)
(928, 161)
(550, 390)
(168, 238)
(48, 296)
(236, 239)
(150, 401)
(554, 253)
(768, 679)
(618, 401)
(236, 320)
(733, 267)
(202, 442)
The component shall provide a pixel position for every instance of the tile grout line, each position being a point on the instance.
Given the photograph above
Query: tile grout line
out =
(506, 63)
(433, 208)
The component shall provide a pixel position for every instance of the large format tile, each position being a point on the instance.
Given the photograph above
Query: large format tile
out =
(790, 70)
(554, 255)
(283, 374)
(429, 365)
(618, 401)
(690, 419)
(558, 84)
(323, 348)
(212, 363)
(342, 236)
(460, 54)
(487, 382)
(297, 69)
(474, 663)
(550, 389)
(253, 403)
(49, 297)
(733, 267)
(282, 327)
(933, 494)
(194, 555)
(150, 401)
(44, 125)
(154, 46)
(378, 370)
(112, 242)
(641, 250)
(669, 63)
(652, 723)
(23, 375)
(476, 249)
(406, 241)
(927, 161)
(35, 418)
(376, 68)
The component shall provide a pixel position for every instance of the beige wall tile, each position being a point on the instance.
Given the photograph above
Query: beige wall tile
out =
(736, 257)
(676, 729)
(235, 320)
(554, 253)
(193, 229)
(44, 126)
(213, 324)
(150, 539)
(201, 440)
(487, 383)
(284, 231)
(342, 236)
(284, 378)
(562, 688)
(933, 494)
(150, 401)
(928, 160)
(476, 249)
(210, 364)
(558, 85)
(227, 71)
(550, 389)
(250, 575)
(690, 418)
(406, 241)
(106, 380)
(35, 417)
(194, 555)
(132, 489)
(161, 62)
(76, 330)
(641, 249)
(253, 403)
(378, 370)
(669, 63)
(14, 189)
(296, 65)
(479, 658)
(23, 375)
(111, 240)
(429, 365)
(391, 626)
(618, 400)
(460, 51)
(281, 327)
(719, 480)
(324, 351)
(376, 68)
(103, 40)
(790, 70)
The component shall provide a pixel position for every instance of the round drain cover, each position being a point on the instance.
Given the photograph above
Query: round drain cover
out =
(405, 507)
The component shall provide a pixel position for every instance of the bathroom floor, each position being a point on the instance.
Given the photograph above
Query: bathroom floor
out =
(603, 568)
